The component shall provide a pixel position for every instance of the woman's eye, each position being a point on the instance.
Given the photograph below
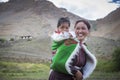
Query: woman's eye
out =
(77, 28)
(83, 28)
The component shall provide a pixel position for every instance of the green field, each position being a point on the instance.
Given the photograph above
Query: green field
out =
(35, 71)
(17, 63)
(23, 71)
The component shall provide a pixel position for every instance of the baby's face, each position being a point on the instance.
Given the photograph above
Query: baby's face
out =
(64, 27)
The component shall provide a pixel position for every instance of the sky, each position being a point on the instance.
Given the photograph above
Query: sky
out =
(4, 0)
(89, 9)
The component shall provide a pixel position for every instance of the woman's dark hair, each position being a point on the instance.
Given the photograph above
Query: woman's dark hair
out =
(84, 21)
(63, 20)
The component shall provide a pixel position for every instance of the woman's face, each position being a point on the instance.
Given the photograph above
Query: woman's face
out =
(81, 31)
(64, 27)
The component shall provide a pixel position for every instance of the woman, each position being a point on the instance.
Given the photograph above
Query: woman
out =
(73, 61)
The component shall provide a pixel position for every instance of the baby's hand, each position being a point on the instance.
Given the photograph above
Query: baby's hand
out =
(70, 35)
(67, 34)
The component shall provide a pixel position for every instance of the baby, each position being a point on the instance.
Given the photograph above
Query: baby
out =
(61, 33)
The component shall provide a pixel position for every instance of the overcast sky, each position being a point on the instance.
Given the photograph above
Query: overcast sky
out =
(89, 9)
(4, 0)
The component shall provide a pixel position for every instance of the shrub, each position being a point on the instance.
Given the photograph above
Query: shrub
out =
(2, 40)
(105, 65)
(11, 39)
(116, 59)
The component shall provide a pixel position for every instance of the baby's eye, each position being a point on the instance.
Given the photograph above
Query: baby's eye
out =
(66, 27)
(62, 27)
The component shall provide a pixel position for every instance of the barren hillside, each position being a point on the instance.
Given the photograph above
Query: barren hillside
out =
(30, 17)
(38, 18)
(109, 26)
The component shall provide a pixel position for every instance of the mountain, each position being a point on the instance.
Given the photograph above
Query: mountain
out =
(38, 18)
(31, 17)
(109, 26)
(35, 18)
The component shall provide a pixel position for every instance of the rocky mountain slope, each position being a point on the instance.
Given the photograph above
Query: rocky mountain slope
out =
(109, 26)
(30, 17)
(38, 18)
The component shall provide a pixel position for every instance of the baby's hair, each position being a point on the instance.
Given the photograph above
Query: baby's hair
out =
(84, 21)
(63, 20)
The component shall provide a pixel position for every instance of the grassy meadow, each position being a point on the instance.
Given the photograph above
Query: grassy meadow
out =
(40, 71)
(23, 71)
(20, 61)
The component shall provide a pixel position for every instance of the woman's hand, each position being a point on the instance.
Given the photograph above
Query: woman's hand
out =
(78, 75)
